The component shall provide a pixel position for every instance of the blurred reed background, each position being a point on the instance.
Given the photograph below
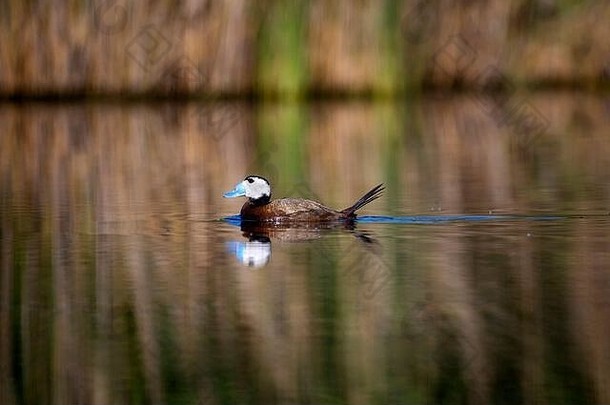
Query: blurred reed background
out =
(115, 284)
(292, 48)
(116, 288)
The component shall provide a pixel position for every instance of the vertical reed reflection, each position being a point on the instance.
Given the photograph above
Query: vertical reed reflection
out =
(116, 286)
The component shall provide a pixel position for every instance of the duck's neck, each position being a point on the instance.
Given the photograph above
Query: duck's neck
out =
(257, 202)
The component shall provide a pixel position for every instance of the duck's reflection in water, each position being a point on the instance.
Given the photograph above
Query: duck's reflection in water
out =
(256, 251)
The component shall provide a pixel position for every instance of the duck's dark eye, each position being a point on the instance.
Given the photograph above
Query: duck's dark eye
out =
(250, 180)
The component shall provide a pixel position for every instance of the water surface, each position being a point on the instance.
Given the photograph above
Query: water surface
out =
(480, 277)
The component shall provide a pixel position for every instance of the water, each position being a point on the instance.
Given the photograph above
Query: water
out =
(481, 276)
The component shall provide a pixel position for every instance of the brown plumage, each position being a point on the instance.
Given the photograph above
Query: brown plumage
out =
(301, 210)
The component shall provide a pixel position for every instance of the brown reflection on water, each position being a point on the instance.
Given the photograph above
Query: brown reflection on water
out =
(117, 286)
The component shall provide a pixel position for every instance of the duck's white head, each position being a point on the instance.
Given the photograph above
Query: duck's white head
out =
(256, 188)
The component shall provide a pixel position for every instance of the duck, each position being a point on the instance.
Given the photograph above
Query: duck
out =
(260, 208)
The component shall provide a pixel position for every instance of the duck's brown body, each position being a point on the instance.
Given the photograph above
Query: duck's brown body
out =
(301, 210)
(289, 210)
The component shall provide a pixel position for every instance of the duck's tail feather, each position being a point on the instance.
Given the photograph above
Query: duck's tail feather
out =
(375, 193)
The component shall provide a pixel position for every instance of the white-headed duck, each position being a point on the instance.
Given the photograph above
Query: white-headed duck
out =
(260, 208)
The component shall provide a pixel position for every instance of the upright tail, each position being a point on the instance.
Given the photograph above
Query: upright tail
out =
(375, 193)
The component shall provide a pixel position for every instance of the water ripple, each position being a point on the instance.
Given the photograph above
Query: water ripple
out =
(427, 219)
(430, 219)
